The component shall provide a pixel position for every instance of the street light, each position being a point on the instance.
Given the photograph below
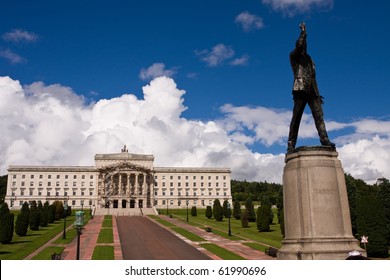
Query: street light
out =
(187, 209)
(65, 214)
(79, 223)
(229, 214)
(82, 205)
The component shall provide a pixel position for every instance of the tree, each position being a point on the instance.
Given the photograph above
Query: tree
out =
(251, 210)
(237, 209)
(371, 222)
(6, 224)
(43, 217)
(245, 218)
(59, 210)
(263, 217)
(209, 212)
(51, 213)
(384, 197)
(193, 211)
(34, 216)
(22, 220)
(225, 207)
(217, 211)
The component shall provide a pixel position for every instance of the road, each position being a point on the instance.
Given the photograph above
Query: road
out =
(142, 239)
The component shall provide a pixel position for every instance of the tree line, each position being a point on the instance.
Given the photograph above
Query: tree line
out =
(33, 216)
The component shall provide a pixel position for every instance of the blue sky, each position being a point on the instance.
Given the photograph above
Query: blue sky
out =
(231, 59)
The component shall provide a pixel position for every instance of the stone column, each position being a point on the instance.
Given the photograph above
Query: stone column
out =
(316, 211)
(120, 184)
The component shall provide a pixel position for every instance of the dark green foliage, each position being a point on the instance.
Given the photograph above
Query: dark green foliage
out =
(242, 190)
(245, 218)
(43, 219)
(7, 228)
(40, 211)
(59, 210)
(22, 220)
(193, 211)
(384, 197)
(263, 217)
(352, 187)
(251, 210)
(34, 216)
(69, 211)
(225, 208)
(3, 187)
(371, 222)
(6, 224)
(209, 212)
(51, 213)
(217, 210)
(237, 210)
(281, 222)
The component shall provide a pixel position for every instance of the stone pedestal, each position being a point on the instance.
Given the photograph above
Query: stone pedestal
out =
(316, 212)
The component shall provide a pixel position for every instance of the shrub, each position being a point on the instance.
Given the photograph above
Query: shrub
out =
(44, 221)
(6, 224)
(245, 219)
(209, 212)
(237, 210)
(217, 211)
(51, 211)
(251, 210)
(193, 211)
(263, 217)
(22, 220)
(34, 218)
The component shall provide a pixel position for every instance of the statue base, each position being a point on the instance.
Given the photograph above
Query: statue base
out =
(316, 211)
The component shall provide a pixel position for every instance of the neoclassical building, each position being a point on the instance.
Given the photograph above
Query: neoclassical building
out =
(121, 182)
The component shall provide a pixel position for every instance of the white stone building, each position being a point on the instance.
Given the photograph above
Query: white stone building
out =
(122, 182)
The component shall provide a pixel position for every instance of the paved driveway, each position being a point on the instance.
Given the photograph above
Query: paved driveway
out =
(142, 239)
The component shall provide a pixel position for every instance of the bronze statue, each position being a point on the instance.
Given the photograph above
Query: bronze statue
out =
(305, 91)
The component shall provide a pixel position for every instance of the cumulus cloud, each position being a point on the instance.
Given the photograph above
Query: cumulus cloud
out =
(156, 70)
(52, 125)
(240, 61)
(12, 57)
(249, 21)
(294, 7)
(19, 35)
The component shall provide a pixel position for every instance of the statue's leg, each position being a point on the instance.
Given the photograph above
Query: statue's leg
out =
(299, 106)
(318, 115)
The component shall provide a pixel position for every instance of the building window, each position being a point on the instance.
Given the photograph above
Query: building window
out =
(65, 193)
(73, 202)
(186, 184)
(31, 191)
(216, 177)
(23, 176)
(224, 177)
(14, 176)
(74, 192)
(90, 202)
(155, 193)
(74, 184)
(186, 177)
(22, 184)
(66, 176)
(66, 184)
(163, 193)
(49, 184)
(57, 193)
(58, 176)
(39, 192)
(171, 192)
(179, 184)
(194, 184)
(48, 176)
(40, 184)
(163, 202)
(194, 177)
(83, 177)
(82, 192)
(91, 177)
(201, 177)
(82, 184)
(91, 184)
(171, 184)
(48, 193)
(171, 177)
(57, 184)
(74, 176)
(31, 184)
(40, 176)
(32, 176)
(179, 177)
(163, 184)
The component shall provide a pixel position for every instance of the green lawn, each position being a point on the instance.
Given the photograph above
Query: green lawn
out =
(272, 238)
(22, 246)
(47, 252)
(105, 252)
(105, 236)
(189, 235)
(221, 252)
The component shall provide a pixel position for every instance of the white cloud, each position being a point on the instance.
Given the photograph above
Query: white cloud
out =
(156, 70)
(294, 7)
(12, 57)
(240, 61)
(19, 35)
(217, 55)
(52, 125)
(249, 21)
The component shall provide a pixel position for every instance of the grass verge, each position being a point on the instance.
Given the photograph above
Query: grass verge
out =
(221, 252)
(105, 236)
(105, 252)
(47, 252)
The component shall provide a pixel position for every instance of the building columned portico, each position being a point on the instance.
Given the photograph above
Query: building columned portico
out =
(122, 181)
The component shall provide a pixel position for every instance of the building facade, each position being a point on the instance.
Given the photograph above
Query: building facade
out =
(118, 181)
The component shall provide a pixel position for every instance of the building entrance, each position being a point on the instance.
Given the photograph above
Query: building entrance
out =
(132, 203)
(124, 202)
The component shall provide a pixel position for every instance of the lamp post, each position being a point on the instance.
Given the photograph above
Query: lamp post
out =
(65, 214)
(229, 214)
(82, 205)
(79, 223)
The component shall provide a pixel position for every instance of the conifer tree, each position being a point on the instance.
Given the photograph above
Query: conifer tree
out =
(245, 218)
(225, 208)
(193, 211)
(263, 217)
(6, 224)
(34, 216)
(217, 211)
(209, 212)
(22, 220)
(251, 210)
(51, 213)
(237, 210)
(43, 219)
